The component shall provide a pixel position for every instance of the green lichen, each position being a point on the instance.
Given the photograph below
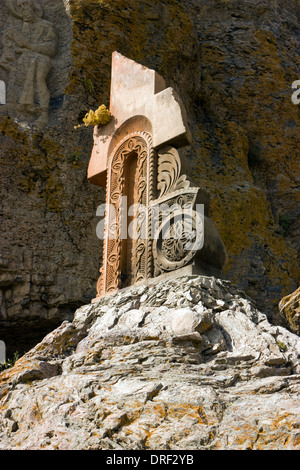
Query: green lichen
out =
(282, 346)
(88, 85)
(74, 158)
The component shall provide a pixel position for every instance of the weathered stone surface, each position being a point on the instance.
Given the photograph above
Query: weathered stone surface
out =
(29, 44)
(186, 364)
(289, 308)
(41, 231)
(2, 92)
(156, 219)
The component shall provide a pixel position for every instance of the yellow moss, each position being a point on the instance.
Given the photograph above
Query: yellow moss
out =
(100, 117)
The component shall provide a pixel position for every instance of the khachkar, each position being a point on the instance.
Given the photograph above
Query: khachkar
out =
(153, 224)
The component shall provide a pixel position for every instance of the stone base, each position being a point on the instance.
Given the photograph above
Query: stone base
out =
(189, 361)
(192, 269)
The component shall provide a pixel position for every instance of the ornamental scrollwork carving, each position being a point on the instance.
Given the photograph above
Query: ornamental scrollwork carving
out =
(169, 178)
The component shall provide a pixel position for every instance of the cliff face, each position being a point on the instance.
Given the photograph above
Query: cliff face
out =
(184, 364)
(232, 64)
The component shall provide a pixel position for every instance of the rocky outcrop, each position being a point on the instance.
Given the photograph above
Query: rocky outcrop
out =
(185, 364)
(289, 308)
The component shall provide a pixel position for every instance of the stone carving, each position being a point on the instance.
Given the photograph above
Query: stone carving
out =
(128, 259)
(136, 157)
(169, 169)
(179, 230)
(26, 61)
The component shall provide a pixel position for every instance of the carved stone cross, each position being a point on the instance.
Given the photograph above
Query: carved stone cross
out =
(152, 224)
